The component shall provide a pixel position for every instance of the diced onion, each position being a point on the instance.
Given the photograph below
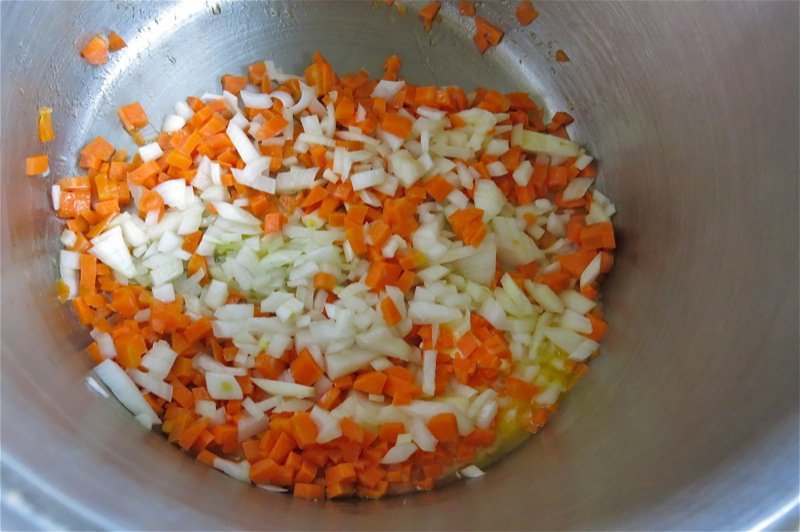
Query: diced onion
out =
(471, 471)
(222, 386)
(591, 272)
(399, 453)
(577, 188)
(256, 100)
(284, 389)
(150, 152)
(126, 391)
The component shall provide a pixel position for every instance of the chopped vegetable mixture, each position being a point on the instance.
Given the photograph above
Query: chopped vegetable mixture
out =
(336, 285)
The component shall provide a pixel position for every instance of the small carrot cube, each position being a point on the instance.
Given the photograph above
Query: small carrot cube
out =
(37, 164)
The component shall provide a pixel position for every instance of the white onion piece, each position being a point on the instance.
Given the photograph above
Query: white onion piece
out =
(284, 389)
(250, 426)
(296, 179)
(367, 178)
(577, 347)
(216, 295)
(577, 188)
(576, 301)
(401, 452)
(110, 248)
(471, 471)
(480, 266)
(544, 296)
(583, 161)
(407, 169)
(421, 435)
(591, 272)
(105, 344)
(223, 386)
(159, 359)
(256, 100)
(183, 110)
(237, 470)
(164, 293)
(150, 152)
(429, 372)
(522, 174)
(380, 340)
(307, 95)
(514, 247)
(347, 361)
(575, 322)
(69, 260)
(124, 389)
(327, 425)
(387, 89)
(535, 142)
(489, 198)
(247, 151)
(208, 364)
(425, 312)
(152, 384)
(172, 123)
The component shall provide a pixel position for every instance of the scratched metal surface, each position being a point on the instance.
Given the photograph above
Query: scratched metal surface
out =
(688, 420)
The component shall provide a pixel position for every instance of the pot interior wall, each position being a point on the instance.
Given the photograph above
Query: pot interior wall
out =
(688, 420)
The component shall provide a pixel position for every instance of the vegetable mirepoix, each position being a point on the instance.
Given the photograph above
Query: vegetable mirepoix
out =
(337, 285)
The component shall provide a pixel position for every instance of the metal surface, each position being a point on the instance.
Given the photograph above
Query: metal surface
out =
(688, 420)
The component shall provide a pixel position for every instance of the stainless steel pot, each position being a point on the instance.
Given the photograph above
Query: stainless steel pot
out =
(689, 419)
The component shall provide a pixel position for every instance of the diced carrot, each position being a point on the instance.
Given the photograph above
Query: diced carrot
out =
(466, 8)
(304, 369)
(341, 489)
(412, 260)
(324, 281)
(390, 313)
(406, 281)
(273, 223)
(599, 327)
(95, 51)
(444, 426)
(355, 236)
(520, 390)
(561, 56)
(525, 12)
(283, 446)
(88, 264)
(115, 42)
(428, 13)
(44, 125)
(575, 263)
(397, 124)
(233, 84)
(199, 329)
(36, 164)
(379, 232)
(192, 432)
(480, 437)
(304, 429)
(558, 281)
(438, 188)
(344, 472)
(370, 383)
(309, 491)
(481, 42)
(598, 236)
(132, 116)
(492, 33)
